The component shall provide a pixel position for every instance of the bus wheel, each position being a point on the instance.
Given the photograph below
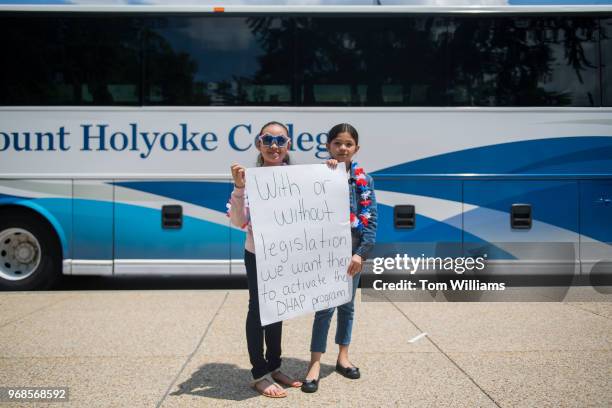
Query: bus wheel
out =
(29, 254)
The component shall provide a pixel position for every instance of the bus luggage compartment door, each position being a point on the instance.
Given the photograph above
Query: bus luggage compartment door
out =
(198, 245)
(549, 246)
(93, 227)
(596, 227)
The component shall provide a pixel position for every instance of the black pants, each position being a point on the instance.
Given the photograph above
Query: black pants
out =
(256, 333)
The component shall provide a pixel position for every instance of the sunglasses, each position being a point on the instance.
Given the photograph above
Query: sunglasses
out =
(268, 140)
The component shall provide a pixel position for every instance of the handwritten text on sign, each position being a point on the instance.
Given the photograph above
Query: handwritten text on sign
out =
(300, 218)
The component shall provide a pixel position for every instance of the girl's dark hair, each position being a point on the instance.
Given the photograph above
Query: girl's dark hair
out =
(260, 160)
(341, 128)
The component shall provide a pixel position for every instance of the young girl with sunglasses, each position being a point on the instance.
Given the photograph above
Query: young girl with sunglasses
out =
(273, 144)
(342, 145)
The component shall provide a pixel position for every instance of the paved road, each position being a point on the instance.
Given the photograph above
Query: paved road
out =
(183, 348)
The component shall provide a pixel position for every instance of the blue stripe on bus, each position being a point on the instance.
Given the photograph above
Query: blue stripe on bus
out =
(442, 189)
(430, 237)
(201, 193)
(197, 239)
(201, 239)
(553, 202)
(426, 229)
(9, 199)
(566, 155)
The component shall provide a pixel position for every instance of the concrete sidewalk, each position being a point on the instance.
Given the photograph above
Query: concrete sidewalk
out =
(184, 348)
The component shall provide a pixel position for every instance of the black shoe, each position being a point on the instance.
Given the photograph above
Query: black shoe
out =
(310, 386)
(348, 372)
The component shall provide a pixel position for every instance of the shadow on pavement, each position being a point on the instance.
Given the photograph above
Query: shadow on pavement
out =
(150, 282)
(230, 382)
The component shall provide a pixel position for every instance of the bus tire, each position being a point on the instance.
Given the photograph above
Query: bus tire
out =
(30, 253)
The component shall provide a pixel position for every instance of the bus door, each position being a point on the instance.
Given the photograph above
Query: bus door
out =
(172, 227)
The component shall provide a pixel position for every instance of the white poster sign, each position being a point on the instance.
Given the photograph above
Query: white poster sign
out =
(300, 218)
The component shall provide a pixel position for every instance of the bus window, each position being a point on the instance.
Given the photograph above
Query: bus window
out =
(606, 57)
(210, 60)
(373, 61)
(70, 60)
(524, 61)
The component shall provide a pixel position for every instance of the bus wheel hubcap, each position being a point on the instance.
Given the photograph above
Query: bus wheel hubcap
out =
(19, 254)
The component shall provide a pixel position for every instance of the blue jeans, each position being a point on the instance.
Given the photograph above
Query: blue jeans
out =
(320, 326)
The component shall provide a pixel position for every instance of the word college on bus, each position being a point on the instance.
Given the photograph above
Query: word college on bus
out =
(102, 137)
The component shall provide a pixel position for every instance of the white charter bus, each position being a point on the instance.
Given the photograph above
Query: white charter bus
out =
(487, 130)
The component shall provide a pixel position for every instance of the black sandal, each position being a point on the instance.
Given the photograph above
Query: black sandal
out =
(310, 386)
(348, 372)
